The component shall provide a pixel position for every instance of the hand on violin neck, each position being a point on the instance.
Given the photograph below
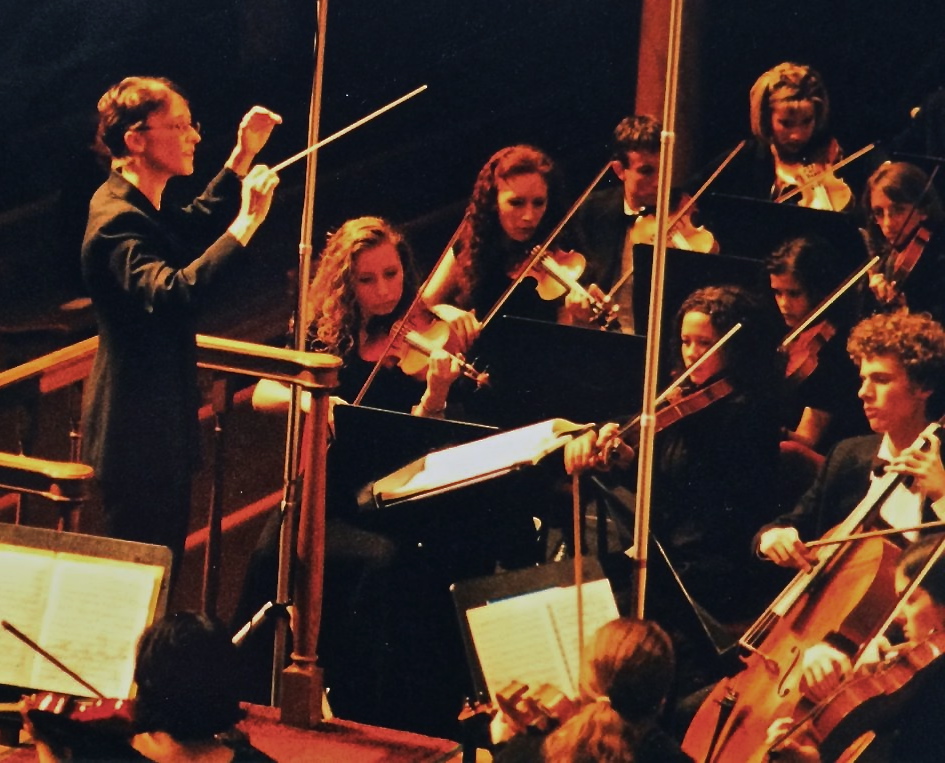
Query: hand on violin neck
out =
(597, 450)
(578, 309)
(924, 466)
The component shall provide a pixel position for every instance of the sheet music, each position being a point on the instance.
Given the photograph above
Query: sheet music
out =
(88, 612)
(496, 453)
(533, 638)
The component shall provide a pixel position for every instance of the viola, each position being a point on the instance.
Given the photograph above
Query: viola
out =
(872, 695)
(815, 182)
(414, 339)
(803, 352)
(682, 233)
(677, 408)
(84, 728)
(556, 273)
(904, 261)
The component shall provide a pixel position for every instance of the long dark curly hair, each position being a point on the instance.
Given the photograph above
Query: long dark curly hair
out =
(480, 230)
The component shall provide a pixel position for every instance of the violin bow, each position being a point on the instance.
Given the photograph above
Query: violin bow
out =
(812, 181)
(538, 253)
(14, 631)
(418, 297)
(684, 208)
(828, 301)
(344, 131)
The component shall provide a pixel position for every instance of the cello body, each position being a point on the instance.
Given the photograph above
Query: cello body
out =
(847, 594)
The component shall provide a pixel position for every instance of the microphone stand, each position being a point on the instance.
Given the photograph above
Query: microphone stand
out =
(641, 531)
(291, 475)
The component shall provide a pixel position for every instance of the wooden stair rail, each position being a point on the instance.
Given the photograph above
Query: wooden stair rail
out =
(64, 482)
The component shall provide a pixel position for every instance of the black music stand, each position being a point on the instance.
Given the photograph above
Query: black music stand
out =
(754, 228)
(539, 370)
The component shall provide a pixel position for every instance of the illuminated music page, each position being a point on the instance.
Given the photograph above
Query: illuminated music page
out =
(533, 638)
(87, 612)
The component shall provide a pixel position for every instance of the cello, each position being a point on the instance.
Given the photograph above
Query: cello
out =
(849, 588)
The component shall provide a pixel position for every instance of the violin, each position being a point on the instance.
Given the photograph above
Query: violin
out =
(872, 695)
(413, 340)
(904, 261)
(557, 273)
(815, 182)
(79, 728)
(682, 233)
(803, 352)
(542, 708)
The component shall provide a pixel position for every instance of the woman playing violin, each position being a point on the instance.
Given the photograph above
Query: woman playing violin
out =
(907, 731)
(628, 675)
(904, 224)
(789, 114)
(820, 405)
(515, 203)
(714, 468)
(364, 283)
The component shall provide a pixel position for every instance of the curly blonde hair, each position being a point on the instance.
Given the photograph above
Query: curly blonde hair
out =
(629, 673)
(333, 314)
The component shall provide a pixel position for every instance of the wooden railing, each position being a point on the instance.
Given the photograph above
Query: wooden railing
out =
(69, 481)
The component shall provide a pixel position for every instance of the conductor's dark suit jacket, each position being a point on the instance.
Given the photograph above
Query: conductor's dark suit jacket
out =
(146, 271)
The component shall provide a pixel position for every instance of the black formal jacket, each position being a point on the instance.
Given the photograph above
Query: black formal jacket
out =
(146, 271)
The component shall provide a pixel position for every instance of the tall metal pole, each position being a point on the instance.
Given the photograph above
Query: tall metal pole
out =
(651, 373)
(291, 474)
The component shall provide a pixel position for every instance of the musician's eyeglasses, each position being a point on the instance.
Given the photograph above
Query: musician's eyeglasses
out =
(179, 127)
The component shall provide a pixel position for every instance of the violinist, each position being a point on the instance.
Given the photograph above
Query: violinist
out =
(515, 202)
(904, 224)
(713, 469)
(612, 220)
(187, 703)
(791, 142)
(628, 675)
(365, 281)
(907, 731)
(901, 360)
(821, 405)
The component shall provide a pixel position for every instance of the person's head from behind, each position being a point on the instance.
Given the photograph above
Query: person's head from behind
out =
(801, 273)
(187, 678)
(628, 673)
(512, 194)
(899, 198)
(365, 277)
(789, 109)
(636, 159)
(922, 611)
(146, 121)
(901, 357)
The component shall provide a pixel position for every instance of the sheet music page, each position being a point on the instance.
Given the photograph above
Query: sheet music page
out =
(95, 612)
(599, 608)
(526, 445)
(24, 581)
(515, 641)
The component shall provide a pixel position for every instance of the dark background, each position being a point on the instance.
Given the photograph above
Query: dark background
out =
(556, 73)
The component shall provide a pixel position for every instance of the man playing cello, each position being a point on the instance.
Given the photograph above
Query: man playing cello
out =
(901, 359)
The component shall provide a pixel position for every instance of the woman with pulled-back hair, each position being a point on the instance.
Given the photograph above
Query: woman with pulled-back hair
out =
(628, 674)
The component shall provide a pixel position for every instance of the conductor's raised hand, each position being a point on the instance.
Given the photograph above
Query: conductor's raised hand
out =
(255, 128)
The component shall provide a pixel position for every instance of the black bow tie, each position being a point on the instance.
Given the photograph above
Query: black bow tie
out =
(878, 466)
